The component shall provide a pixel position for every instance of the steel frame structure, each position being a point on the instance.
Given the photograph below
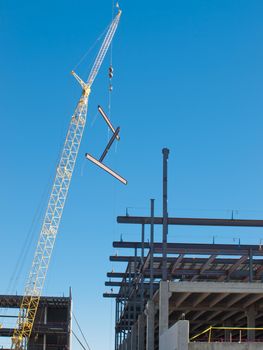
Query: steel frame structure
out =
(149, 262)
(52, 326)
(185, 262)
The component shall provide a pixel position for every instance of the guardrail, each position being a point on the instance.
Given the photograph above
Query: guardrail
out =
(209, 330)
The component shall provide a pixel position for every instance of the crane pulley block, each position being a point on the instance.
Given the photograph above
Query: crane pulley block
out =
(110, 72)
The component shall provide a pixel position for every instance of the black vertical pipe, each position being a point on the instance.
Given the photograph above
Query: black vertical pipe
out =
(69, 318)
(129, 301)
(119, 334)
(116, 321)
(165, 213)
(151, 248)
(143, 240)
(121, 337)
(250, 265)
(142, 262)
(125, 305)
(136, 274)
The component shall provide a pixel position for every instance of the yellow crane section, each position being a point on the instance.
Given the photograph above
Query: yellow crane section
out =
(54, 211)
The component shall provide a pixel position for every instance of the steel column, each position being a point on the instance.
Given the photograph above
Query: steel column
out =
(142, 261)
(250, 265)
(151, 248)
(165, 213)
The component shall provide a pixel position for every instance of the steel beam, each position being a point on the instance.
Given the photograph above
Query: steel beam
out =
(176, 261)
(186, 272)
(198, 248)
(190, 221)
(165, 152)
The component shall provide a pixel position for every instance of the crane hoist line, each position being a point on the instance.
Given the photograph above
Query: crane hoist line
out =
(57, 199)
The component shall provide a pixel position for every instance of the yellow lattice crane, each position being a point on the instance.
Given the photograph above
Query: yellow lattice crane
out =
(64, 171)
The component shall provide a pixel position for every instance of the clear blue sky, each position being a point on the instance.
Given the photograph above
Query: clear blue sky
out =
(188, 76)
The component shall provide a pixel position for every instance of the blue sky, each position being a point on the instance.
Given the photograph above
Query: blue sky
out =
(187, 76)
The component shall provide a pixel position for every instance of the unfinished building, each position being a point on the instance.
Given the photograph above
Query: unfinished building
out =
(52, 326)
(180, 296)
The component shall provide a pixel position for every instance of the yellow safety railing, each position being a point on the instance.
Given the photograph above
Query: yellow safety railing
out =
(209, 331)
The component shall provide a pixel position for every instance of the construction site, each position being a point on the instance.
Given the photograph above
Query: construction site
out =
(179, 296)
(52, 326)
(167, 295)
(170, 296)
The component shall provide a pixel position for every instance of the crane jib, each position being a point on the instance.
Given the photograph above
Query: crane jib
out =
(103, 50)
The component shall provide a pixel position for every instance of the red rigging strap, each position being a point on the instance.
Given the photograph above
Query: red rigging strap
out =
(104, 167)
(108, 121)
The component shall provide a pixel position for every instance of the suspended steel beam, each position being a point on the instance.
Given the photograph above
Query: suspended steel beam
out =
(107, 120)
(109, 144)
(104, 167)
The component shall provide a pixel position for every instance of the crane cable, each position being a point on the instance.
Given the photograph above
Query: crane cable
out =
(29, 240)
(24, 251)
(90, 48)
(78, 339)
(109, 113)
(85, 340)
(110, 67)
(111, 74)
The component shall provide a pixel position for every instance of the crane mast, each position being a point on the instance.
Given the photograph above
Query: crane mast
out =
(57, 199)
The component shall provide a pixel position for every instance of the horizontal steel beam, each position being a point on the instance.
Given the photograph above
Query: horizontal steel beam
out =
(111, 295)
(184, 272)
(197, 248)
(228, 261)
(190, 221)
(6, 332)
(119, 274)
(14, 301)
(43, 329)
(123, 284)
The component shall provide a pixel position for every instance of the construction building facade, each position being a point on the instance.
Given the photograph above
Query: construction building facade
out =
(180, 296)
(52, 326)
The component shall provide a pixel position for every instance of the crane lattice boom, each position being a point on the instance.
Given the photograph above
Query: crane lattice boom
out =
(54, 211)
(103, 50)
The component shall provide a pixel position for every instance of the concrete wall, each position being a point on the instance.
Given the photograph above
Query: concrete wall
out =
(225, 346)
(176, 337)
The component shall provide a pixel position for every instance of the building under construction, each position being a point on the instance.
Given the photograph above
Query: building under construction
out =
(52, 326)
(179, 296)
